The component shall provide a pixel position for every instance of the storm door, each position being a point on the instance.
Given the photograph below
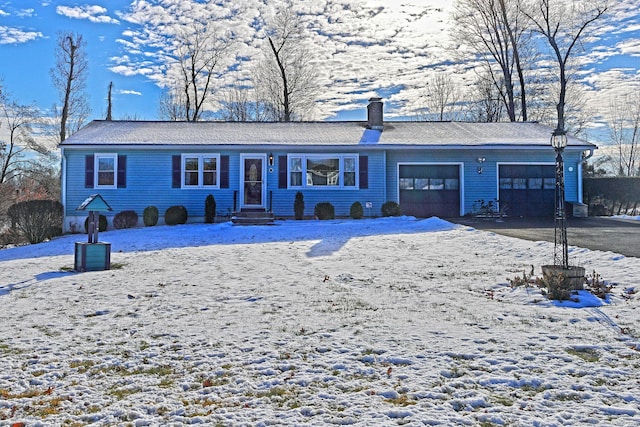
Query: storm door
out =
(253, 182)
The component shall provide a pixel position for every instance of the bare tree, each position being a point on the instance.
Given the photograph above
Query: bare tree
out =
(237, 106)
(486, 104)
(171, 105)
(562, 25)
(241, 104)
(441, 97)
(19, 121)
(496, 31)
(199, 51)
(69, 78)
(286, 78)
(624, 129)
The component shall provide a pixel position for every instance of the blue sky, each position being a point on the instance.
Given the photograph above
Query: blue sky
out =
(363, 48)
(27, 55)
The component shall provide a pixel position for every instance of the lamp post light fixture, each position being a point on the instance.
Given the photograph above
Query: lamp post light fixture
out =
(560, 251)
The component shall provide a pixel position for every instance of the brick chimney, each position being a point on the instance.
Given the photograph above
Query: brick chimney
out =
(374, 114)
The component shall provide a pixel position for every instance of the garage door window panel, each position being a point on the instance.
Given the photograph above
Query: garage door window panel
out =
(406, 184)
(421, 183)
(451, 184)
(535, 183)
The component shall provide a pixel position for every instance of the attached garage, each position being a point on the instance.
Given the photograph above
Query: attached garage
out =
(429, 189)
(527, 190)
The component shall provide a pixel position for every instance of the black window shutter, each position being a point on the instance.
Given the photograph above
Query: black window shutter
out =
(176, 171)
(282, 171)
(224, 171)
(122, 171)
(364, 172)
(88, 171)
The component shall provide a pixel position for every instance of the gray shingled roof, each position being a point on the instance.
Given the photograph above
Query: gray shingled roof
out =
(397, 133)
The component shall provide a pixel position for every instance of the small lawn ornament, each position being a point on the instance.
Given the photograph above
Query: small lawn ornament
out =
(93, 255)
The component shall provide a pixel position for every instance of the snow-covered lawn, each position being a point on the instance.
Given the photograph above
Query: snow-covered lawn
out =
(390, 321)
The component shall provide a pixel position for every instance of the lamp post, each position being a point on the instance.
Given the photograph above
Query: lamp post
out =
(560, 251)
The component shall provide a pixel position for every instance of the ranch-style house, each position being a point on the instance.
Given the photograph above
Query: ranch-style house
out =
(440, 169)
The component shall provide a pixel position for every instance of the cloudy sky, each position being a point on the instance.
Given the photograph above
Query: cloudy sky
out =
(362, 48)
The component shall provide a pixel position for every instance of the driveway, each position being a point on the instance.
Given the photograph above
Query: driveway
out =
(597, 233)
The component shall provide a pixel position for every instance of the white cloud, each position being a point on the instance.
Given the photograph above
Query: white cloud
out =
(10, 35)
(25, 13)
(96, 14)
(3, 13)
(361, 48)
(630, 47)
(124, 70)
(130, 92)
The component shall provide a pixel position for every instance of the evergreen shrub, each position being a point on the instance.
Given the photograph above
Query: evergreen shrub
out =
(150, 216)
(324, 210)
(102, 223)
(175, 215)
(209, 209)
(356, 211)
(390, 209)
(125, 219)
(298, 205)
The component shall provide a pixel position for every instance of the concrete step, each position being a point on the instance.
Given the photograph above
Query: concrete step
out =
(252, 217)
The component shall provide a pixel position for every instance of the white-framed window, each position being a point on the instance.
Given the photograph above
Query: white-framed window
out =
(106, 170)
(323, 170)
(200, 171)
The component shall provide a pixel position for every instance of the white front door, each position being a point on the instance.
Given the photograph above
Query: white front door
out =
(253, 182)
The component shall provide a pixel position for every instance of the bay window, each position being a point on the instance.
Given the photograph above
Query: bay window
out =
(322, 171)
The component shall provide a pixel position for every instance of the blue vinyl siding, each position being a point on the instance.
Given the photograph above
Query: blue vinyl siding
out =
(149, 183)
(480, 186)
(149, 178)
(340, 198)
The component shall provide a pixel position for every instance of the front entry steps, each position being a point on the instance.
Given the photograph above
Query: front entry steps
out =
(252, 217)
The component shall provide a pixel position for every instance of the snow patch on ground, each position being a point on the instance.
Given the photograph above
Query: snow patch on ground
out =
(371, 322)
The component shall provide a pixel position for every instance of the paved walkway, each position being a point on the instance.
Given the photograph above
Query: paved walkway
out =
(597, 233)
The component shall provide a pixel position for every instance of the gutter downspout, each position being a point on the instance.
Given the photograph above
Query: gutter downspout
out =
(589, 156)
(63, 189)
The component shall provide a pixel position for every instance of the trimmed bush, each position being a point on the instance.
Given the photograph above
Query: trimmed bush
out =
(175, 215)
(390, 209)
(150, 216)
(356, 211)
(298, 206)
(125, 219)
(102, 223)
(209, 209)
(324, 210)
(36, 220)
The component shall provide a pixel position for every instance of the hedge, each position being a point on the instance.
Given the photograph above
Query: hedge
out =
(611, 195)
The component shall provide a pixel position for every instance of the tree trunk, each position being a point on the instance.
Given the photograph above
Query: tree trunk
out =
(285, 86)
(67, 93)
(109, 102)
